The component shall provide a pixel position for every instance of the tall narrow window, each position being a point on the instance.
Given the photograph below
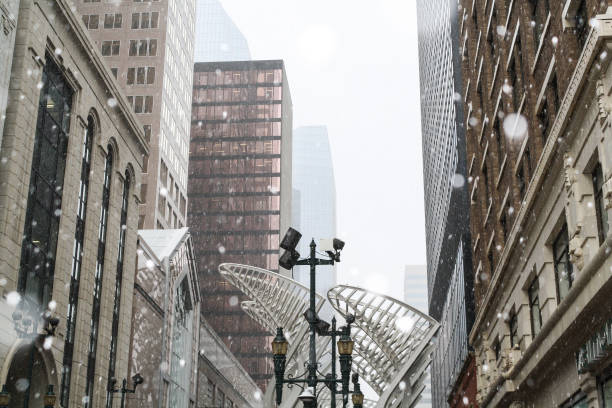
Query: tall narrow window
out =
(77, 258)
(485, 176)
(97, 288)
(600, 205)
(582, 23)
(534, 307)
(564, 273)
(118, 283)
(513, 326)
(543, 121)
(37, 265)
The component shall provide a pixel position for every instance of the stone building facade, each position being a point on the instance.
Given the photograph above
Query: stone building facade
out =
(70, 172)
(9, 10)
(535, 87)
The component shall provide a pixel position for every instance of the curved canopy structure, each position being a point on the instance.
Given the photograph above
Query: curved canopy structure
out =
(279, 301)
(393, 338)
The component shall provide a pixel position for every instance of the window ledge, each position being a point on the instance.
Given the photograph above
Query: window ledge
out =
(569, 13)
(501, 171)
(541, 45)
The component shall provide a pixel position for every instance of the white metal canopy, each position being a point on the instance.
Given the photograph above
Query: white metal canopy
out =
(392, 339)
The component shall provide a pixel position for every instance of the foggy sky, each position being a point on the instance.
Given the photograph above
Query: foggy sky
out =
(353, 66)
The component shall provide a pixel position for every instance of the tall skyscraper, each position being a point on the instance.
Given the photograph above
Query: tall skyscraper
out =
(415, 294)
(313, 177)
(217, 36)
(449, 266)
(149, 48)
(240, 190)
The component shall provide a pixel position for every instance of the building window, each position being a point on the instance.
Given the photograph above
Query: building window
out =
(115, 71)
(98, 279)
(40, 233)
(141, 104)
(600, 204)
(490, 259)
(118, 282)
(147, 133)
(539, 14)
(91, 21)
(145, 20)
(77, 259)
(110, 48)
(522, 184)
(492, 32)
(581, 20)
(564, 273)
(543, 121)
(141, 76)
(112, 20)
(554, 90)
(513, 326)
(578, 400)
(497, 350)
(534, 306)
(485, 176)
(504, 224)
(143, 48)
(606, 389)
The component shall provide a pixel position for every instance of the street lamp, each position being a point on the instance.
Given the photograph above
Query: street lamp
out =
(309, 381)
(308, 398)
(5, 398)
(136, 379)
(357, 394)
(50, 398)
(279, 349)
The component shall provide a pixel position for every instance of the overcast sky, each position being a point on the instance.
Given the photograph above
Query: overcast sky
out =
(353, 66)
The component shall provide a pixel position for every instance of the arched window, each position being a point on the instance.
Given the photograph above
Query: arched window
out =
(77, 258)
(37, 266)
(118, 283)
(97, 298)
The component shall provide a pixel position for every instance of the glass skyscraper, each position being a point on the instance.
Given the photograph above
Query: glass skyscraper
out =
(449, 266)
(217, 36)
(315, 203)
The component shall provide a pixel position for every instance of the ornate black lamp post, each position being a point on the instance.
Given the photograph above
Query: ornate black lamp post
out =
(310, 380)
(136, 379)
(5, 398)
(50, 398)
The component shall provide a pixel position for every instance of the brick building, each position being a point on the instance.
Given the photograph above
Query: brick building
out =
(239, 190)
(535, 89)
(72, 155)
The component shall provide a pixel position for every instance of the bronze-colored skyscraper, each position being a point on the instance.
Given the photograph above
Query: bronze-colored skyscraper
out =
(239, 190)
